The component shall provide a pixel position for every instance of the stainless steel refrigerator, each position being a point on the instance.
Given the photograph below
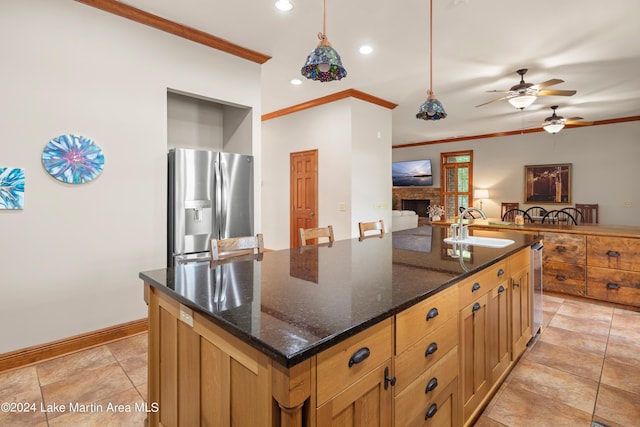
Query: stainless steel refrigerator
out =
(210, 196)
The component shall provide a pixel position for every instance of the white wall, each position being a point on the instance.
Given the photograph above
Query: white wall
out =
(343, 133)
(69, 261)
(604, 166)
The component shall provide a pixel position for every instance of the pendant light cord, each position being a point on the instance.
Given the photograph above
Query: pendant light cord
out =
(430, 46)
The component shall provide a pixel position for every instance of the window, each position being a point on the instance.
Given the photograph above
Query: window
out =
(456, 181)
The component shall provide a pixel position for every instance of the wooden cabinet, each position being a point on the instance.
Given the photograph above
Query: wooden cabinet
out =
(521, 313)
(613, 269)
(498, 329)
(564, 258)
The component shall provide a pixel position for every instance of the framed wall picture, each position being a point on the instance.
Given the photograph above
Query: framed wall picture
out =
(547, 183)
(11, 188)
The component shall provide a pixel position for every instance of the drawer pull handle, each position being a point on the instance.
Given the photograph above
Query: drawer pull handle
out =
(475, 287)
(612, 285)
(501, 289)
(561, 249)
(387, 379)
(432, 348)
(431, 385)
(359, 356)
(432, 313)
(500, 272)
(613, 253)
(476, 307)
(561, 278)
(431, 411)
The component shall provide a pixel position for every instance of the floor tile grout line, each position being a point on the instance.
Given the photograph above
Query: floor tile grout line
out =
(595, 403)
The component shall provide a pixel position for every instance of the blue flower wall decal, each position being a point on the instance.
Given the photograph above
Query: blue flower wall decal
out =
(11, 188)
(73, 159)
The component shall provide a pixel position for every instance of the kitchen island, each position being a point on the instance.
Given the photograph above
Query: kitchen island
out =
(337, 333)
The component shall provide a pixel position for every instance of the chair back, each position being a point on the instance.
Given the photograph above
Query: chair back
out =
(507, 206)
(576, 213)
(534, 211)
(510, 215)
(559, 216)
(315, 233)
(236, 246)
(377, 227)
(589, 212)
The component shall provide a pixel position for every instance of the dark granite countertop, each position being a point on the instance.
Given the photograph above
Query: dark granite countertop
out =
(294, 303)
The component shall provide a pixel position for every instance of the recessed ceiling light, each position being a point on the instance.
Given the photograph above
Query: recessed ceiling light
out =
(366, 50)
(295, 82)
(284, 5)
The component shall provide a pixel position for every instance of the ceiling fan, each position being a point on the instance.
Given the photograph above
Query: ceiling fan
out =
(555, 123)
(523, 94)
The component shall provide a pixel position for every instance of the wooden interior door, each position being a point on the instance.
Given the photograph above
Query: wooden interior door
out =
(304, 193)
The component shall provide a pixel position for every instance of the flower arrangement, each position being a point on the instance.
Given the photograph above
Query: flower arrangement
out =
(435, 212)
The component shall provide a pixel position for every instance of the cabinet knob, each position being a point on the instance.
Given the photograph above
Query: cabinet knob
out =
(431, 348)
(500, 272)
(612, 285)
(431, 411)
(561, 278)
(613, 253)
(359, 356)
(431, 385)
(476, 307)
(432, 313)
(475, 287)
(501, 289)
(387, 379)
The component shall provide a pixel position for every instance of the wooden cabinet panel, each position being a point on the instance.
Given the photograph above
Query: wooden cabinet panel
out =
(427, 316)
(499, 342)
(425, 353)
(618, 286)
(338, 366)
(521, 314)
(564, 278)
(413, 402)
(364, 403)
(442, 411)
(613, 252)
(481, 283)
(563, 247)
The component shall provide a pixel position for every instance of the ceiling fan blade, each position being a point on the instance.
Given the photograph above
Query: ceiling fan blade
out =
(548, 83)
(575, 121)
(499, 91)
(548, 92)
(493, 100)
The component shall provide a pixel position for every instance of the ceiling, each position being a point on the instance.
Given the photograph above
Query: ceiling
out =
(593, 45)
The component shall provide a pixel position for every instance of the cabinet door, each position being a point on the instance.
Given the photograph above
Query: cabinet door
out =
(520, 311)
(473, 349)
(499, 350)
(365, 403)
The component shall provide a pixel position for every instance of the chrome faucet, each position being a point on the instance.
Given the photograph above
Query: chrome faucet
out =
(463, 230)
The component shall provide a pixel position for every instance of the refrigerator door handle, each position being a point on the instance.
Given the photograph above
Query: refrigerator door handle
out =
(218, 196)
(224, 197)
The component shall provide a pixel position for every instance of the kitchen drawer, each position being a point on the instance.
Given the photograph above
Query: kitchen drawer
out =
(442, 411)
(416, 322)
(425, 353)
(336, 368)
(562, 247)
(622, 287)
(414, 400)
(564, 278)
(481, 283)
(613, 252)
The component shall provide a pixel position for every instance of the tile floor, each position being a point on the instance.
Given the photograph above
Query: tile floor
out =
(583, 370)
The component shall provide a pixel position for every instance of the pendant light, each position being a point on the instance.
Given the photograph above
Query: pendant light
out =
(431, 109)
(323, 63)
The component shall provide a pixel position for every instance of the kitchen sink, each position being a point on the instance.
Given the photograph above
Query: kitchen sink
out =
(487, 242)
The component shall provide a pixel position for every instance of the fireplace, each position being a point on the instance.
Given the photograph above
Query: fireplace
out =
(418, 205)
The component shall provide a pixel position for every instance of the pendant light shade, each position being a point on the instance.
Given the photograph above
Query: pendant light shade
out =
(522, 101)
(324, 62)
(431, 109)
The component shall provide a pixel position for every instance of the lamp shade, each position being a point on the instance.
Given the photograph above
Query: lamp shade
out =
(431, 109)
(323, 64)
(522, 101)
(481, 193)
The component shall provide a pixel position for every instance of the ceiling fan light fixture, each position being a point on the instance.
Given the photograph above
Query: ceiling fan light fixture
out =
(323, 63)
(431, 109)
(554, 126)
(522, 101)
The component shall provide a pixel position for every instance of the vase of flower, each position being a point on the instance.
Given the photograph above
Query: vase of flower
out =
(435, 212)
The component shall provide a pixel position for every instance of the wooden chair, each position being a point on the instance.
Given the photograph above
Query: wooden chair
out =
(508, 206)
(576, 213)
(589, 212)
(315, 233)
(510, 215)
(559, 216)
(377, 226)
(236, 246)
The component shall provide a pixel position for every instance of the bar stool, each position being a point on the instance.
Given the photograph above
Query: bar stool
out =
(377, 226)
(315, 233)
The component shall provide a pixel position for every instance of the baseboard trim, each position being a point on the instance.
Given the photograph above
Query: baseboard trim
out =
(39, 353)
